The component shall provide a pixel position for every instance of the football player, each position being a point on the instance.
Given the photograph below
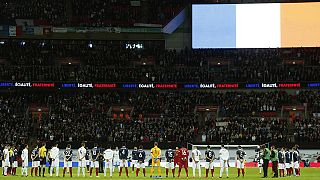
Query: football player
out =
(108, 157)
(94, 160)
(170, 155)
(82, 159)
(224, 158)
(210, 156)
(240, 154)
(183, 160)
(141, 156)
(155, 156)
(68, 160)
(196, 155)
(123, 155)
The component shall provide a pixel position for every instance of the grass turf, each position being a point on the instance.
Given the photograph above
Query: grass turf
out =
(251, 174)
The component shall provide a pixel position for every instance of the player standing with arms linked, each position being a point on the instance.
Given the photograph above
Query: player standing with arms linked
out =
(82, 159)
(196, 155)
(155, 154)
(123, 155)
(141, 155)
(224, 158)
(240, 154)
(210, 156)
(183, 160)
(170, 155)
(94, 159)
(24, 158)
(296, 161)
(281, 157)
(108, 157)
(43, 158)
(35, 161)
(15, 161)
(68, 160)
(55, 160)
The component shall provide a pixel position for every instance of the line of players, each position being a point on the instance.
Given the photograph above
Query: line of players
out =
(285, 162)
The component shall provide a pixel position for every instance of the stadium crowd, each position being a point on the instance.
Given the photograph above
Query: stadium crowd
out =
(112, 62)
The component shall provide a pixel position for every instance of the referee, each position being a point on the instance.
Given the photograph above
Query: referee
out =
(266, 159)
(43, 156)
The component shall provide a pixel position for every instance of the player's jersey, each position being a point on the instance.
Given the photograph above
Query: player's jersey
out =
(116, 155)
(155, 152)
(82, 153)
(196, 154)
(295, 156)
(42, 152)
(176, 154)
(94, 153)
(6, 154)
(134, 155)
(184, 154)
(15, 155)
(288, 157)
(170, 155)
(224, 154)
(123, 153)
(240, 154)
(87, 156)
(141, 155)
(68, 154)
(35, 155)
(210, 154)
(281, 156)
(24, 155)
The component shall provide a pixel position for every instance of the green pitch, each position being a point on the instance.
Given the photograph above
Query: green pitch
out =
(251, 174)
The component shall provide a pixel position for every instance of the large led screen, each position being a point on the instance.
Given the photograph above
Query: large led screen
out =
(266, 25)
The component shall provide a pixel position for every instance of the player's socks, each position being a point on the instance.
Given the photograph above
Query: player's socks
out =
(39, 171)
(212, 172)
(137, 171)
(227, 171)
(70, 171)
(221, 171)
(238, 172)
(242, 172)
(43, 171)
(97, 172)
(31, 171)
(207, 172)
(36, 172)
(5, 173)
(120, 172)
(179, 172)
(151, 171)
(144, 172)
(132, 167)
(173, 170)
(167, 172)
(159, 171)
(127, 171)
(64, 171)
(187, 172)
(90, 173)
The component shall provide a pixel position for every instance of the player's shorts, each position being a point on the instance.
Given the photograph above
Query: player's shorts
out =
(288, 165)
(176, 161)
(55, 163)
(123, 163)
(155, 163)
(67, 164)
(25, 163)
(94, 164)
(140, 165)
(82, 163)
(15, 164)
(209, 165)
(35, 163)
(87, 162)
(281, 166)
(43, 161)
(116, 162)
(5, 163)
(296, 165)
(134, 162)
(240, 165)
(108, 164)
(183, 164)
(170, 165)
(223, 163)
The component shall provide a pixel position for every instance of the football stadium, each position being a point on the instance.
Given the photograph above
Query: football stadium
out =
(159, 89)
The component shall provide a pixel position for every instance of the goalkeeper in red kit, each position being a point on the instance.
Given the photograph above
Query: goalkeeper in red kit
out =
(183, 160)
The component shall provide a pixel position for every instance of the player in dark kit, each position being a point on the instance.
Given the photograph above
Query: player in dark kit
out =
(68, 160)
(14, 161)
(35, 161)
(170, 155)
(183, 160)
(94, 159)
(87, 157)
(240, 160)
(134, 155)
(123, 155)
(288, 159)
(281, 165)
(210, 156)
(141, 156)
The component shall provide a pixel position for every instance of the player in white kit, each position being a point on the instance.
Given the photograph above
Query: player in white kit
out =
(55, 160)
(224, 159)
(24, 158)
(6, 162)
(196, 155)
(116, 159)
(108, 156)
(82, 159)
